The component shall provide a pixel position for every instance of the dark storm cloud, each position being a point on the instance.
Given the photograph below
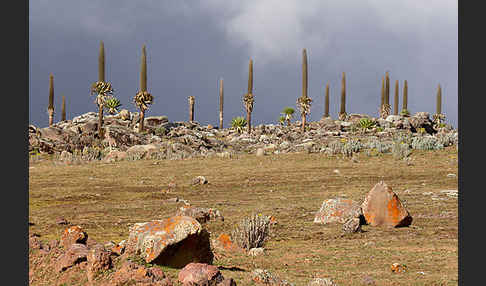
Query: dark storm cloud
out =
(191, 46)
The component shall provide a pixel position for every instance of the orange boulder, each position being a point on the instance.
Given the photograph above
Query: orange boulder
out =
(382, 207)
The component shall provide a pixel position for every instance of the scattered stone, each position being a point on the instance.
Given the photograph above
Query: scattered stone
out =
(76, 253)
(73, 234)
(383, 207)
(98, 260)
(368, 281)
(337, 210)
(199, 180)
(256, 251)
(352, 225)
(224, 242)
(450, 193)
(61, 221)
(35, 243)
(131, 272)
(199, 274)
(398, 268)
(322, 282)
(451, 175)
(173, 242)
(260, 152)
(263, 276)
(202, 215)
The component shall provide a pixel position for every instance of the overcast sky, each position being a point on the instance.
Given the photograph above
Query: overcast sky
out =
(192, 44)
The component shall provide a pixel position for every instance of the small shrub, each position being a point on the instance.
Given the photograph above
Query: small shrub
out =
(334, 147)
(381, 147)
(252, 231)
(400, 150)
(134, 156)
(404, 112)
(350, 147)
(91, 153)
(161, 131)
(238, 123)
(447, 139)
(426, 143)
(366, 124)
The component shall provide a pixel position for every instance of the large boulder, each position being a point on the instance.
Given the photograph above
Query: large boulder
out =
(382, 207)
(199, 274)
(98, 259)
(337, 210)
(173, 242)
(75, 254)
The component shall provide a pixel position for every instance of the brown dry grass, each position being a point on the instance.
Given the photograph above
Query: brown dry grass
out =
(104, 198)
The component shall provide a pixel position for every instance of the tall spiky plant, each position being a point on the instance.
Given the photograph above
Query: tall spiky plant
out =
(248, 98)
(395, 102)
(221, 104)
(304, 102)
(50, 107)
(439, 101)
(438, 116)
(342, 112)
(385, 108)
(326, 102)
(387, 88)
(101, 89)
(405, 111)
(191, 100)
(63, 112)
(143, 98)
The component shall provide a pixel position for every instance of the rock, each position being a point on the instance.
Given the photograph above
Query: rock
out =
(256, 251)
(199, 274)
(73, 234)
(260, 152)
(124, 114)
(383, 207)
(322, 282)
(35, 243)
(61, 221)
(393, 118)
(130, 273)
(76, 253)
(173, 242)
(119, 249)
(337, 210)
(199, 180)
(262, 276)
(98, 260)
(224, 242)
(202, 215)
(398, 268)
(368, 281)
(227, 282)
(352, 225)
(142, 150)
(155, 120)
(115, 155)
(65, 156)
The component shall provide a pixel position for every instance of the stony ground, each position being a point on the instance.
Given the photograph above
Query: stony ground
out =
(106, 198)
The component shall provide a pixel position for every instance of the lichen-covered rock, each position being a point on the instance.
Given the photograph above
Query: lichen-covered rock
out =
(382, 207)
(224, 242)
(199, 274)
(130, 272)
(174, 242)
(76, 253)
(337, 210)
(73, 234)
(98, 259)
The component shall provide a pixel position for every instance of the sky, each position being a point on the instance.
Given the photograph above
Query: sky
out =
(191, 45)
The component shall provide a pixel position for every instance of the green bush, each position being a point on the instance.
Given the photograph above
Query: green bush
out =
(238, 123)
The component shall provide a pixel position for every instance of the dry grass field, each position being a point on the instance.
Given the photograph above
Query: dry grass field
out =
(105, 198)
